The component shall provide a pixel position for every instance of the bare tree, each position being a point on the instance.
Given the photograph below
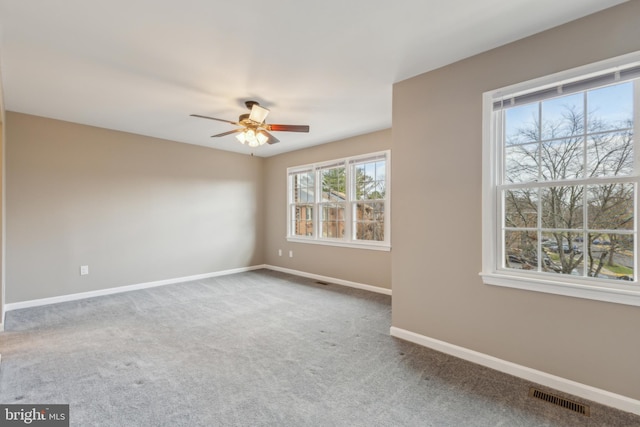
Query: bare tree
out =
(558, 150)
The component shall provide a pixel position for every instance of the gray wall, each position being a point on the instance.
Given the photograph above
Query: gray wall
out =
(134, 209)
(356, 265)
(436, 259)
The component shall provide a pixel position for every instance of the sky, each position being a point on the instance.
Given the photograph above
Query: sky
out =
(612, 104)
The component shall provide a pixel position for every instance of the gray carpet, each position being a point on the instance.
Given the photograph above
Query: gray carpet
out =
(254, 349)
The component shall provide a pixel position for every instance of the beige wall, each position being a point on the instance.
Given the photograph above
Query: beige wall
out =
(2, 207)
(134, 209)
(437, 254)
(356, 265)
(2, 215)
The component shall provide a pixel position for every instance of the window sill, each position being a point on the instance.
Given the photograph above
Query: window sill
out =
(613, 293)
(367, 246)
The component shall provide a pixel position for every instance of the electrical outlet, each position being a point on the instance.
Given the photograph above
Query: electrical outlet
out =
(84, 270)
(290, 254)
(279, 252)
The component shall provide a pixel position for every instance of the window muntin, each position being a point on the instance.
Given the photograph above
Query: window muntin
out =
(562, 211)
(350, 202)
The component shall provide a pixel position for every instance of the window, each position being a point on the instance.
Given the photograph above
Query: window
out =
(342, 202)
(560, 183)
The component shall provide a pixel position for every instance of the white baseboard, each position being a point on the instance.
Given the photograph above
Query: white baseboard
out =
(348, 283)
(558, 383)
(120, 289)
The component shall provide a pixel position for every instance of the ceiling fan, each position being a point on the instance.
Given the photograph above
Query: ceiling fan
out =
(253, 130)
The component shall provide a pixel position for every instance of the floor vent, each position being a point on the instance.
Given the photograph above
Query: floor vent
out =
(321, 283)
(560, 401)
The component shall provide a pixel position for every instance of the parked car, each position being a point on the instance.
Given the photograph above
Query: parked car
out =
(565, 248)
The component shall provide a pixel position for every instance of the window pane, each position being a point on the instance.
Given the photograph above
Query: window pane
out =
(333, 184)
(563, 159)
(610, 206)
(333, 229)
(303, 187)
(563, 116)
(562, 207)
(302, 220)
(370, 211)
(370, 170)
(521, 249)
(381, 190)
(521, 208)
(521, 124)
(332, 212)
(610, 154)
(611, 256)
(332, 220)
(381, 170)
(610, 107)
(563, 253)
(369, 220)
(521, 163)
(365, 183)
(370, 231)
(370, 180)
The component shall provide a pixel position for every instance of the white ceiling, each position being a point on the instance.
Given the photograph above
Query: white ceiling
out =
(143, 66)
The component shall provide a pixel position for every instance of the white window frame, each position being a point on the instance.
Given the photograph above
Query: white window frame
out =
(349, 239)
(492, 211)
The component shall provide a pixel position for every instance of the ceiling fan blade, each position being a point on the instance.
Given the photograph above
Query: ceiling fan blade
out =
(213, 118)
(227, 133)
(288, 128)
(258, 113)
(272, 139)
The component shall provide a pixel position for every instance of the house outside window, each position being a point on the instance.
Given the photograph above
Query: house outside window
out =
(343, 202)
(560, 183)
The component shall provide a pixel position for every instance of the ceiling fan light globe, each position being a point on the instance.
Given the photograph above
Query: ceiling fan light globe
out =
(262, 138)
(241, 137)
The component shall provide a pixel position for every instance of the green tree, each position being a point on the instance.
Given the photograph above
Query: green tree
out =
(366, 186)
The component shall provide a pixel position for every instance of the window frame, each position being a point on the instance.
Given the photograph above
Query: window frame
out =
(349, 238)
(493, 210)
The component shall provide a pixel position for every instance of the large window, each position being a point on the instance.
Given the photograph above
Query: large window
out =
(561, 181)
(343, 202)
